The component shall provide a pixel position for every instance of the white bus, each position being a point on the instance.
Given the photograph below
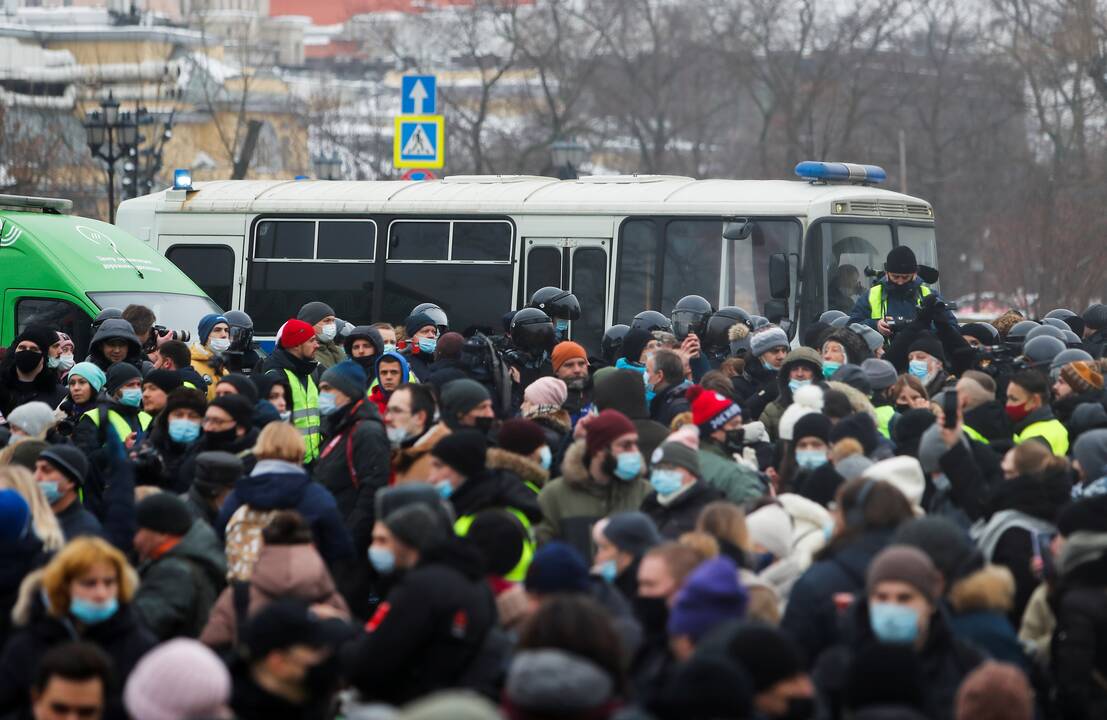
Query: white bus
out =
(479, 246)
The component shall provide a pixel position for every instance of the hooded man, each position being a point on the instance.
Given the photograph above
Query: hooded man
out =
(801, 367)
(213, 338)
(390, 372)
(294, 359)
(364, 345)
(116, 342)
(321, 317)
(623, 390)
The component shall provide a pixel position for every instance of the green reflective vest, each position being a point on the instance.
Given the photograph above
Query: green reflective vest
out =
(118, 422)
(884, 415)
(519, 572)
(305, 413)
(971, 432)
(1052, 431)
(878, 302)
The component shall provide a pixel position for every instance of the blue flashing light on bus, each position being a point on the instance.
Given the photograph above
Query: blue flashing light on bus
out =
(841, 172)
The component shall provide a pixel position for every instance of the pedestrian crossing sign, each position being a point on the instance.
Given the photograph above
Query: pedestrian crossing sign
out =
(419, 141)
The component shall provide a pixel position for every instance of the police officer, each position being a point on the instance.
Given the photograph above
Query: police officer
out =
(899, 293)
(242, 356)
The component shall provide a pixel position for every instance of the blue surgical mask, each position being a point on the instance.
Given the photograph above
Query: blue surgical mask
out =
(390, 347)
(768, 366)
(444, 488)
(628, 465)
(828, 530)
(562, 327)
(50, 490)
(131, 397)
(830, 367)
(918, 368)
(795, 385)
(892, 623)
(91, 613)
(382, 560)
(183, 431)
(810, 459)
(665, 482)
(427, 345)
(545, 457)
(328, 403)
(608, 571)
(53, 363)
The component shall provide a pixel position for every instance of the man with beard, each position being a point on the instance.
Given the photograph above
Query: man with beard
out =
(570, 364)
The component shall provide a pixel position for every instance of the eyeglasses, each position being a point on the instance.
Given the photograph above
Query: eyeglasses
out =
(216, 422)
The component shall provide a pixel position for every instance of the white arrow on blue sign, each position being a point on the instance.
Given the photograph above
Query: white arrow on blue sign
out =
(418, 95)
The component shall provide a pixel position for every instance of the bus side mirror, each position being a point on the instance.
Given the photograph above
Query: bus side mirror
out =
(776, 311)
(738, 229)
(779, 282)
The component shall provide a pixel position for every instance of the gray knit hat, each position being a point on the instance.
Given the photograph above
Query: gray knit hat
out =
(417, 526)
(632, 532)
(871, 337)
(460, 396)
(675, 452)
(767, 338)
(881, 373)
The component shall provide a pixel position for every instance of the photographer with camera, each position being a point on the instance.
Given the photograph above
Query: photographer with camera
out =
(898, 294)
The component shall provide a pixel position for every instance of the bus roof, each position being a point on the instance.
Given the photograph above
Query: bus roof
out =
(654, 194)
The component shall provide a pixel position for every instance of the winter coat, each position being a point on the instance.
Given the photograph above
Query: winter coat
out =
(251, 701)
(978, 614)
(669, 403)
(773, 412)
(899, 301)
(199, 506)
(428, 631)
(123, 637)
(1063, 408)
(278, 485)
(419, 362)
(811, 616)
(523, 468)
(208, 366)
(329, 353)
(172, 454)
(18, 558)
(178, 588)
(623, 391)
(990, 420)
(1096, 343)
(14, 392)
(117, 329)
(558, 427)
(281, 571)
(1018, 509)
(1079, 647)
(354, 474)
(280, 361)
(754, 378)
(678, 515)
(972, 470)
(736, 481)
(76, 521)
(242, 447)
(945, 661)
(572, 503)
(495, 489)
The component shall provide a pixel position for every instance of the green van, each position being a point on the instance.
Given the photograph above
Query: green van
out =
(60, 270)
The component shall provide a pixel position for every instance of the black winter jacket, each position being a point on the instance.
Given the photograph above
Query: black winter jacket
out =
(1079, 646)
(369, 459)
(991, 421)
(428, 631)
(179, 588)
(496, 489)
(679, 517)
(669, 403)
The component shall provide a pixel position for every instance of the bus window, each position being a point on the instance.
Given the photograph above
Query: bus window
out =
(921, 241)
(481, 241)
(543, 269)
(849, 248)
(346, 239)
(419, 240)
(55, 314)
(693, 251)
(289, 239)
(209, 266)
(472, 294)
(275, 291)
(749, 266)
(590, 286)
(636, 274)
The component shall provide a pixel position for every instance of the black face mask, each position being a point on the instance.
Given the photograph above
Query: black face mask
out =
(484, 424)
(798, 709)
(734, 440)
(222, 438)
(27, 360)
(368, 363)
(900, 408)
(653, 613)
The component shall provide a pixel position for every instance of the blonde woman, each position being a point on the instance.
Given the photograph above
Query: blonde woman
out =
(43, 521)
(85, 594)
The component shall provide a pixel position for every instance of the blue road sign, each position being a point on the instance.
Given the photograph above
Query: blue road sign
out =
(418, 95)
(419, 141)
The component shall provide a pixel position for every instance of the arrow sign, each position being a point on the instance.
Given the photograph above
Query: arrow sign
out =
(418, 95)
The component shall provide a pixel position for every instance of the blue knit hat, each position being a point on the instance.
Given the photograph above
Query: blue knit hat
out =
(711, 597)
(557, 568)
(348, 378)
(15, 516)
(95, 376)
(207, 324)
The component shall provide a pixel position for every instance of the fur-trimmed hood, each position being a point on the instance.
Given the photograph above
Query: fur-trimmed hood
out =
(574, 469)
(29, 603)
(990, 588)
(525, 468)
(857, 399)
(560, 421)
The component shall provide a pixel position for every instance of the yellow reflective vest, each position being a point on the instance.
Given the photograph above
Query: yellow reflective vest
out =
(878, 301)
(1053, 431)
(305, 413)
(519, 572)
(118, 422)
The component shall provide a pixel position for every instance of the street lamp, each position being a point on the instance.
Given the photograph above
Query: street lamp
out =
(144, 160)
(110, 137)
(327, 167)
(567, 157)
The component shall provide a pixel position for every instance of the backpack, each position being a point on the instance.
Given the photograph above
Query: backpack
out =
(244, 540)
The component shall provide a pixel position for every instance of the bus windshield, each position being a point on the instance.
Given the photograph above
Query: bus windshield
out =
(172, 310)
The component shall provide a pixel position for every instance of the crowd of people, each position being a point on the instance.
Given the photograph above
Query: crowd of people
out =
(891, 516)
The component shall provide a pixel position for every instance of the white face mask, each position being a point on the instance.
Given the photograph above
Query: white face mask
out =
(219, 344)
(396, 435)
(65, 362)
(328, 332)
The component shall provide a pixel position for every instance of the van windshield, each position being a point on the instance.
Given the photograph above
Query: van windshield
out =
(173, 310)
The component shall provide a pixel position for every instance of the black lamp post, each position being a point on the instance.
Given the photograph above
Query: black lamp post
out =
(567, 157)
(144, 161)
(327, 167)
(111, 135)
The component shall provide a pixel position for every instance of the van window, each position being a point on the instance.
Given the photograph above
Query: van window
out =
(275, 291)
(346, 240)
(452, 287)
(209, 266)
(634, 289)
(58, 315)
(479, 241)
(285, 239)
(693, 251)
(419, 240)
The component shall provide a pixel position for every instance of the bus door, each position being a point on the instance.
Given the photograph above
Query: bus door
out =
(580, 265)
(214, 262)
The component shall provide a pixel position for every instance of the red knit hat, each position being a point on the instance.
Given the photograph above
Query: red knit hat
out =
(604, 429)
(711, 409)
(565, 351)
(294, 333)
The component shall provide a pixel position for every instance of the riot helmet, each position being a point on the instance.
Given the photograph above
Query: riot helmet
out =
(1056, 322)
(690, 315)
(1070, 355)
(830, 316)
(1047, 330)
(758, 321)
(612, 342)
(651, 321)
(557, 303)
(1016, 336)
(435, 313)
(241, 330)
(1042, 349)
(1073, 340)
(533, 332)
(716, 338)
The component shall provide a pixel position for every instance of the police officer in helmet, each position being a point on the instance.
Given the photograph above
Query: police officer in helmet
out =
(560, 305)
(241, 357)
(532, 338)
(898, 294)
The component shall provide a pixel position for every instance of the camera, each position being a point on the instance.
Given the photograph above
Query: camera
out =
(149, 465)
(160, 333)
(997, 360)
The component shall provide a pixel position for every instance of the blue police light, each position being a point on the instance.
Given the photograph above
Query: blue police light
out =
(182, 179)
(814, 171)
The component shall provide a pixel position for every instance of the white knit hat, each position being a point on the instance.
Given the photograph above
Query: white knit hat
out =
(806, 400)
(906, 474)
